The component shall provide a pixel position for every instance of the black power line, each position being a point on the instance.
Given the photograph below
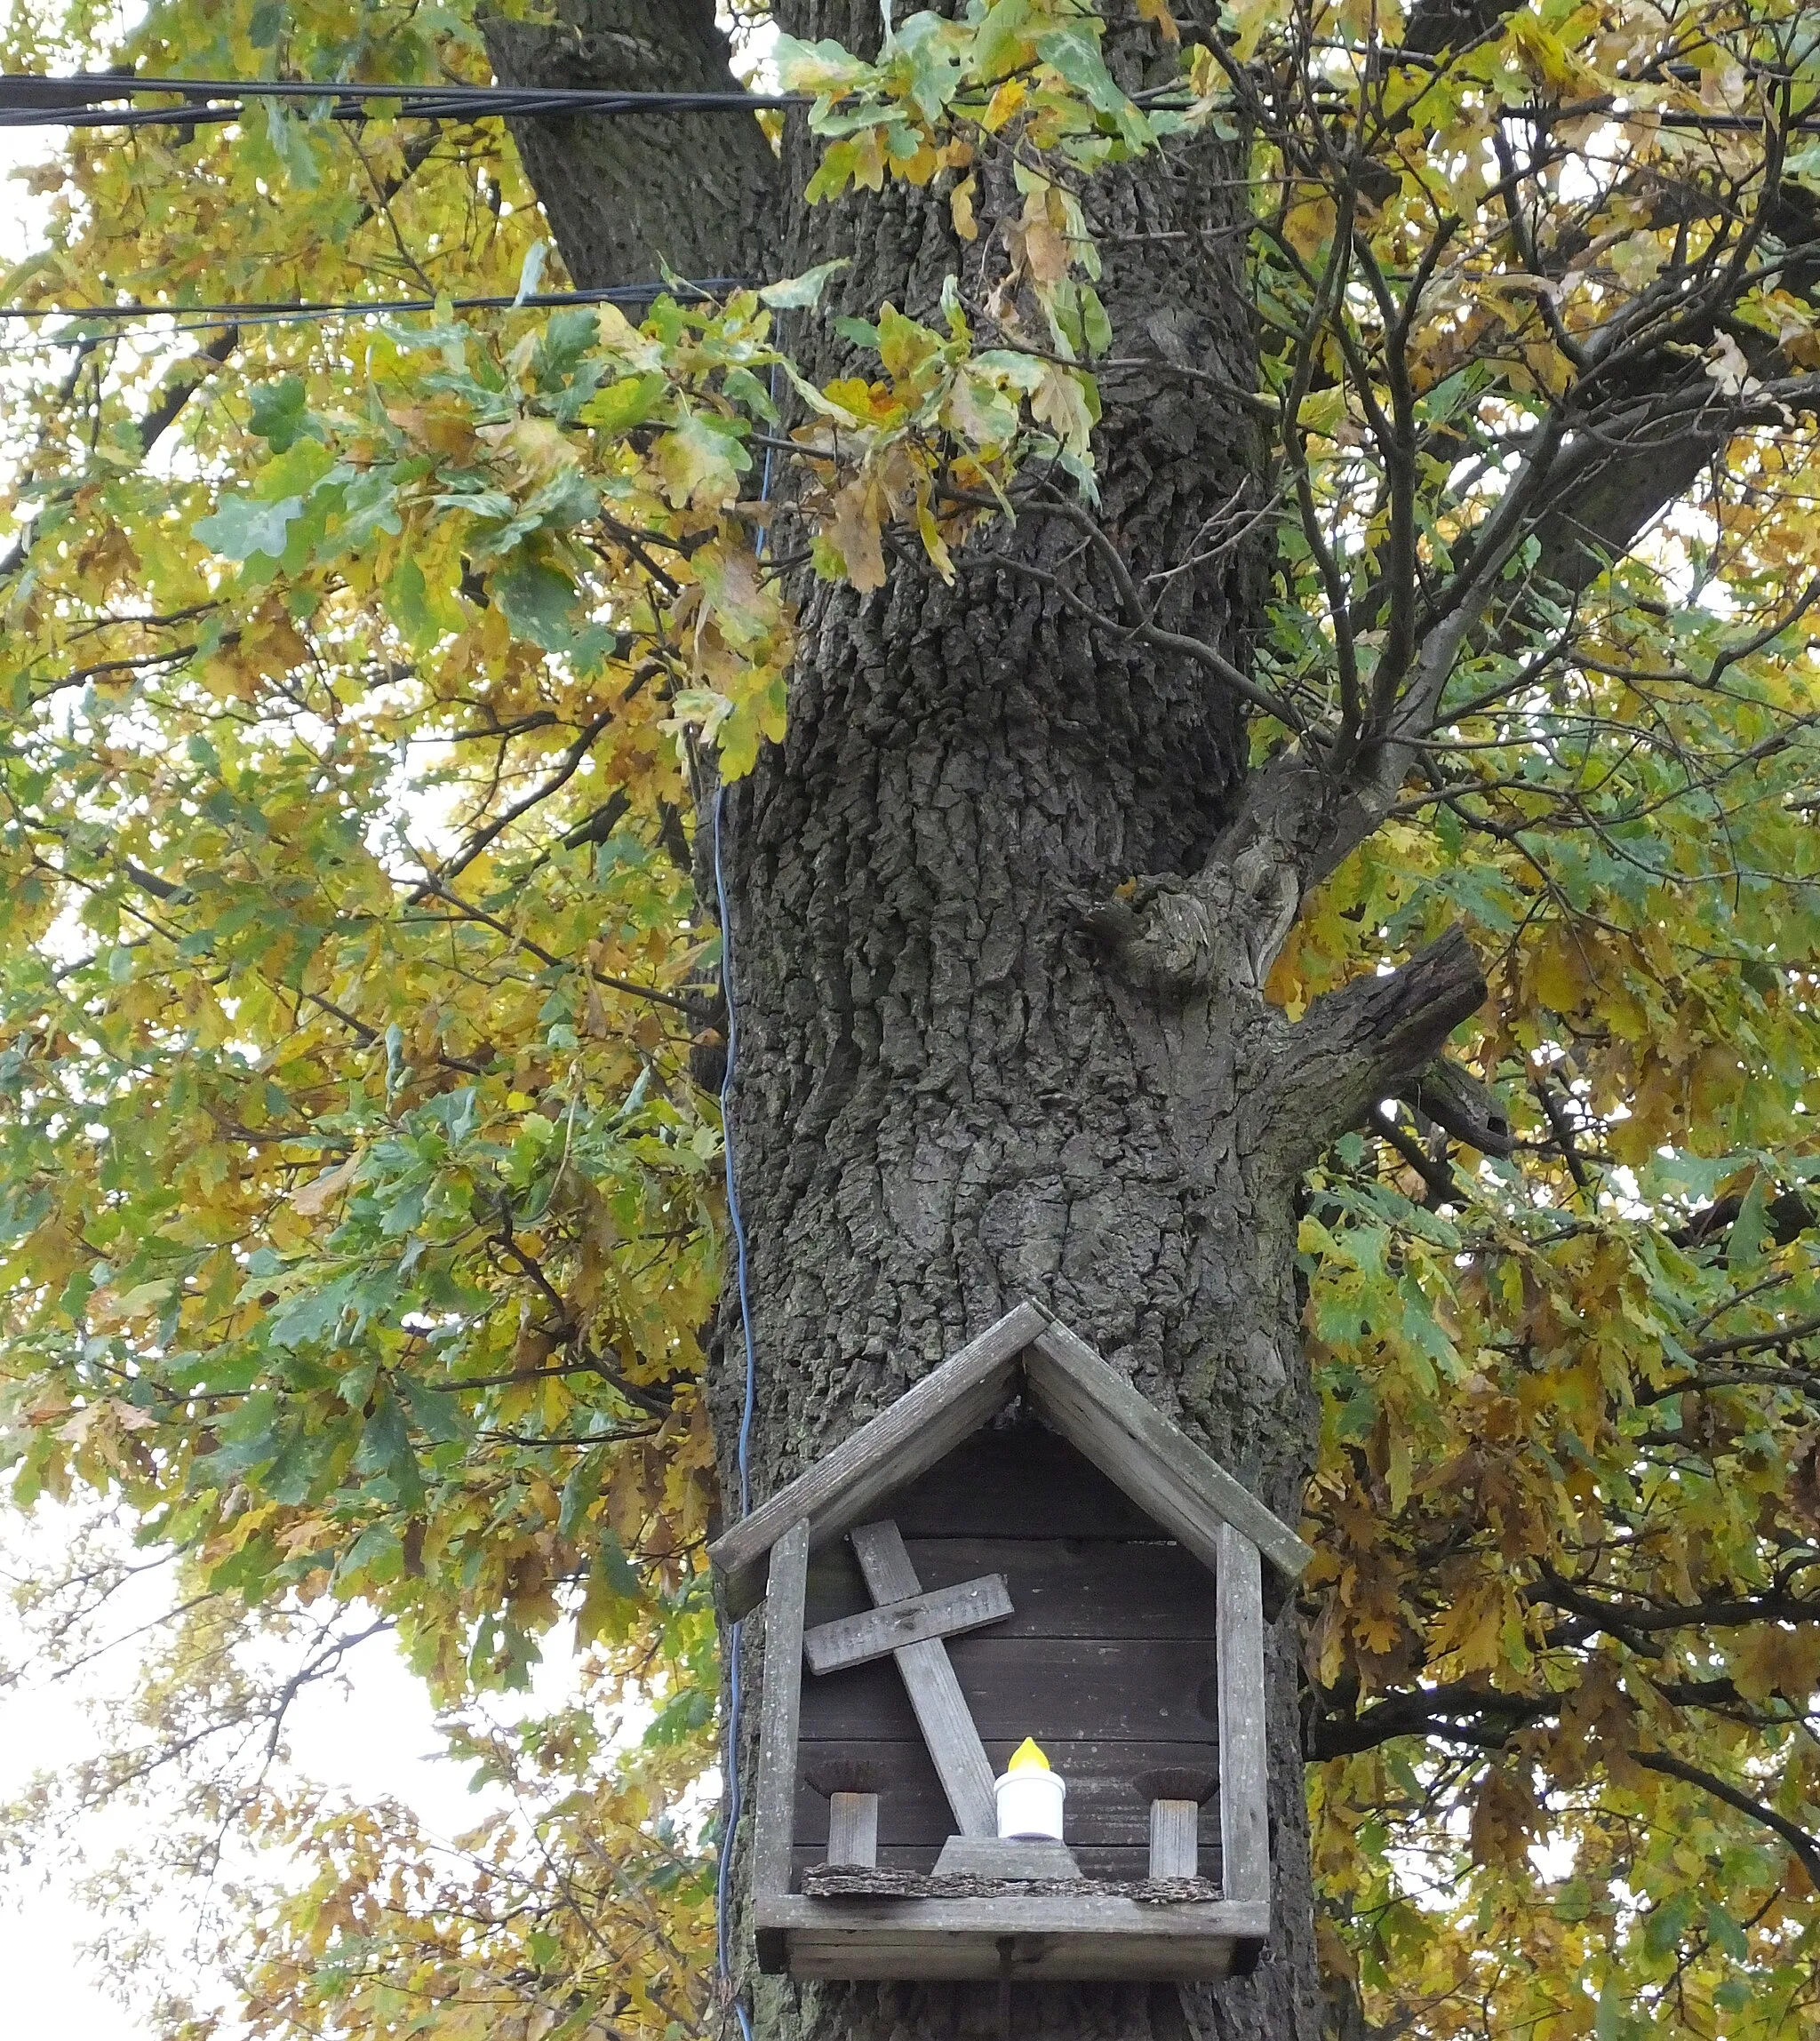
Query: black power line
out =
(279, 311)
(89, 99)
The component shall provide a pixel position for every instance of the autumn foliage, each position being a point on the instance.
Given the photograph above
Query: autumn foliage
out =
(366, 684)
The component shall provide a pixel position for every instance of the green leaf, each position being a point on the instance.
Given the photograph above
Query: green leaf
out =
(630, 402)
(1726, 1933)
(406, 606)
(245, 527)
(702, 459)
(1745, 1242)
(280, 413)
(797, 293)
(538, 602)
(819, 68)
(531, 272)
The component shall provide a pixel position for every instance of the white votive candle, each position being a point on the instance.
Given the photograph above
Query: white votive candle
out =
(1030, 1797)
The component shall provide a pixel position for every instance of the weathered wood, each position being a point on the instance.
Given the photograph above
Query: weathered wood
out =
(1051, 1956)
(853, 1829)
(1020, 1480)
(838, 1881)
(925, 1423)
(1131, 1704)
(935, 1694)
(1060, 1585)
(774, 1800)
(1162, 1470)
(1175, 1839)
(1026, 1913)
(998, 1859)
(877, 1632)
(1072, 1937)
(1058, 1690)
(1176, 1782)
(856, 1769)
(1106, 1805)
(1244, 1822)
(1126, 1864)
(1155, 1463)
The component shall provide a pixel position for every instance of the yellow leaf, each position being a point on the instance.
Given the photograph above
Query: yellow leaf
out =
(1557, 977)
(316, 1197)
(1157, 11)
(1309, 227)
(961, 206)
(1251, 17)
(853, 532)
(1773, 1660)
(1004, 105)
(933, 544)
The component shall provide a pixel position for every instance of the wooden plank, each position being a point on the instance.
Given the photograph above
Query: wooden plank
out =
(935, 1694)
(1018, 1480)
(1062, 1957)
(876, 1633)
(871, 1881)
(1175, 1839)
(1060, 1587)
(841, 1489)
(1099, 1914)
(1244, 1818)
(852, 1828)
(1063, 1939)
(1126, 1864)
(1186, 1490)
(1006, 1857)
(1104, 1804)
(774, 1803)
(1059, 1690)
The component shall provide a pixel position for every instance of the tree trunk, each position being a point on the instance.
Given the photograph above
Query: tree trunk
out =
(966, 1073)
(627, 196)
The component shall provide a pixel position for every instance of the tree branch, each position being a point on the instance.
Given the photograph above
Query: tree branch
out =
(1368, 1039)
(1806, 1847)
(1458, 1711)
(1456, 1102)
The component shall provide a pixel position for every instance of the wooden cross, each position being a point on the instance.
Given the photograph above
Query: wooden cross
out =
(910, 1625)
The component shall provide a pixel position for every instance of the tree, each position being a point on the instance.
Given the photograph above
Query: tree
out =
(1286, 540)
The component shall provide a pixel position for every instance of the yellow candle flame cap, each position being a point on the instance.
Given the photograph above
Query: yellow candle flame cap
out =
(1028, 1758)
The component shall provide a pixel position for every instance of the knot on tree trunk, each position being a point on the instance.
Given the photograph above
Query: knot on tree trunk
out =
(1218, 931)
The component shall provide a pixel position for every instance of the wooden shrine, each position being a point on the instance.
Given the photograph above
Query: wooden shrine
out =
(1021, 1546)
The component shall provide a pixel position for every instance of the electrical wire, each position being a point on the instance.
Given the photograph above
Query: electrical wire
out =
(281, 311)
(85, 100)
(724, 1870)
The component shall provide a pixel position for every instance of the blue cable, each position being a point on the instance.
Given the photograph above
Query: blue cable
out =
(733, 1212)
(723, 1874)
(724, 1926)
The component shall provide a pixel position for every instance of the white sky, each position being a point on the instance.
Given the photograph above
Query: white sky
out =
(377, 1738)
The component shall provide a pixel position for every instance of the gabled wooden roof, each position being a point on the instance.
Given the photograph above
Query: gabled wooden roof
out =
(1183, 1489)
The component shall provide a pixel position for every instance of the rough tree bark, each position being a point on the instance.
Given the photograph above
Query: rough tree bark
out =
(977, 1063)
(696, 191)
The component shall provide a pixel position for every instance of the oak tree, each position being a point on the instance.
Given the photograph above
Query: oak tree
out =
(1173, 661)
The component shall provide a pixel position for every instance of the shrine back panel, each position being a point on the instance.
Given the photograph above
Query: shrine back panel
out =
(1107, 1658)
